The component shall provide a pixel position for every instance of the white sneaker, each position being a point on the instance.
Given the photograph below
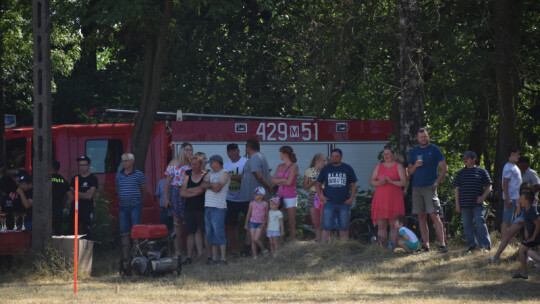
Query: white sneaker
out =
(529, 260)
(256, 257)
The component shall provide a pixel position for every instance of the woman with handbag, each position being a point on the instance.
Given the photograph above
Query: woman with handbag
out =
(286, 176)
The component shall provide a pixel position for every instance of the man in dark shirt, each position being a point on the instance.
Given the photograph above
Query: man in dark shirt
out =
(88, 183)
(61, 196)
(23, 201)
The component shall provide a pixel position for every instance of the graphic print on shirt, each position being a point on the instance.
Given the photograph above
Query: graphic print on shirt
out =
(337, 179)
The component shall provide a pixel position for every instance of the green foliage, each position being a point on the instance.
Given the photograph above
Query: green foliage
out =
(102, 231)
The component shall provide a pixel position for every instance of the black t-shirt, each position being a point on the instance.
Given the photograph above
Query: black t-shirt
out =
(19, 207)
(86, 207)
(195, 203)
(59, 188)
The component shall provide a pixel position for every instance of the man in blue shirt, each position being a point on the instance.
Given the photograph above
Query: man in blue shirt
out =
(424, 163)
(339, 182)
(473, 186)
(131, 186)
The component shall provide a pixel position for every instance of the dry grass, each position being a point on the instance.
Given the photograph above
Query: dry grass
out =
(303, 272)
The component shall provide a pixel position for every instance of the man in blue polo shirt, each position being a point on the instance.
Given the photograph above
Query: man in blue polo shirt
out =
(424, 163)
(473, 186)
(131, 187)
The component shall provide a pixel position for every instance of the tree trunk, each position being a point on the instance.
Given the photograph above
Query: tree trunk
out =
(411, 54)
(478, 137)
(2, 104)
(155, 52)
(507, 16)
(42, 142)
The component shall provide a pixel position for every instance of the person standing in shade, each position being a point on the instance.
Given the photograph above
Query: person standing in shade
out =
(511, 181)
(131, 189)
(61, 197)
(339, 182)
(424, 163)
(216, 184)
(235, 167)
(472, 187)
(88, 183)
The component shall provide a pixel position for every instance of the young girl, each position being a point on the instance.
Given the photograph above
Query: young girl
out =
(275, 225)
(406, 239)
(256, 219)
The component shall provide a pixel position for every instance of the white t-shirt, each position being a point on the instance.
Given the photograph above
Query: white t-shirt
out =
(512, 172)
(409, 233)
(233, 169)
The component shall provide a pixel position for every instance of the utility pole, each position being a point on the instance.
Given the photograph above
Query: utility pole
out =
(42, 141)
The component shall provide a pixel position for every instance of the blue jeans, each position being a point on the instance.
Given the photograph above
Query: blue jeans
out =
(473, 220)
(129, 216)
(331, 211)
(214, 224)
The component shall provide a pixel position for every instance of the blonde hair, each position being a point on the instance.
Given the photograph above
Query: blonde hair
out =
(316, 157)
(181, 154)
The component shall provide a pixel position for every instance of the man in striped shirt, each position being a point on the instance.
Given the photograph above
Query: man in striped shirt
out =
(131, 189)
(473, 186)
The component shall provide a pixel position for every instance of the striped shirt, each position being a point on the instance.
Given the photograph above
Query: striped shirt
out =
(129, 187)
(471, 182)
(217, 199)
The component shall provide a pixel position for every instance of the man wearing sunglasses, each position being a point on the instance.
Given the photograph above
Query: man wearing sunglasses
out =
(339, 182)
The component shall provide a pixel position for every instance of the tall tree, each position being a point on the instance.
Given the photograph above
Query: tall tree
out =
(411, 54)
(155, 51)
(507, 32)
(2, 105)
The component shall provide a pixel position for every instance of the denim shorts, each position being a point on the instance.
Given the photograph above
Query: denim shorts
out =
(271, 233)
(129, 216)
(253, 225)
(509, 214)
(214, 223)
(332, 211)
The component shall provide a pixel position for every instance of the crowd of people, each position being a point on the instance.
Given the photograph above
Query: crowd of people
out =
(207, 202)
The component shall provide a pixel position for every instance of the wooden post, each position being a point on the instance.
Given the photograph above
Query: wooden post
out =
(42, 142)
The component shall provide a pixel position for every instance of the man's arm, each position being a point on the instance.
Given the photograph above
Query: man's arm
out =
(27, 203)
(353, 193)
(456, 198)
(506, 197)
(88, 194)
(485, 195)
(143, 192)
(223, 179)
(260, 177)
(442, 172)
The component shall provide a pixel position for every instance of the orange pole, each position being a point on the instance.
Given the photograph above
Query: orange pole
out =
(75, 250)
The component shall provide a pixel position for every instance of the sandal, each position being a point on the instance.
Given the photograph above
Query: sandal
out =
(519, 276)
(442, 249)
(424, 249)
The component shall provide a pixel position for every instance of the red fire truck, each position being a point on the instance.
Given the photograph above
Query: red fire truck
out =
(360, 142)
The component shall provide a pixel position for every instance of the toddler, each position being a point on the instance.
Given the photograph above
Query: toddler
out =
(275, 225)
(406, 239)
(256, 220)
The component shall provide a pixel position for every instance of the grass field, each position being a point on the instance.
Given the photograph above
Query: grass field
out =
(303, 272)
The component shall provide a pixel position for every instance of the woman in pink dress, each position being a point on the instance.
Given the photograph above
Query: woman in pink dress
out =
(286, 176)
(387, 177)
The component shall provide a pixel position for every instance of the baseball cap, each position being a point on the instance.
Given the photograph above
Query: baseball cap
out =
(259, 190)
(469, 154)
(84, 157)
(216, 158)
(275, 200)
(232, 146)
(20, 172)
(26, 178)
